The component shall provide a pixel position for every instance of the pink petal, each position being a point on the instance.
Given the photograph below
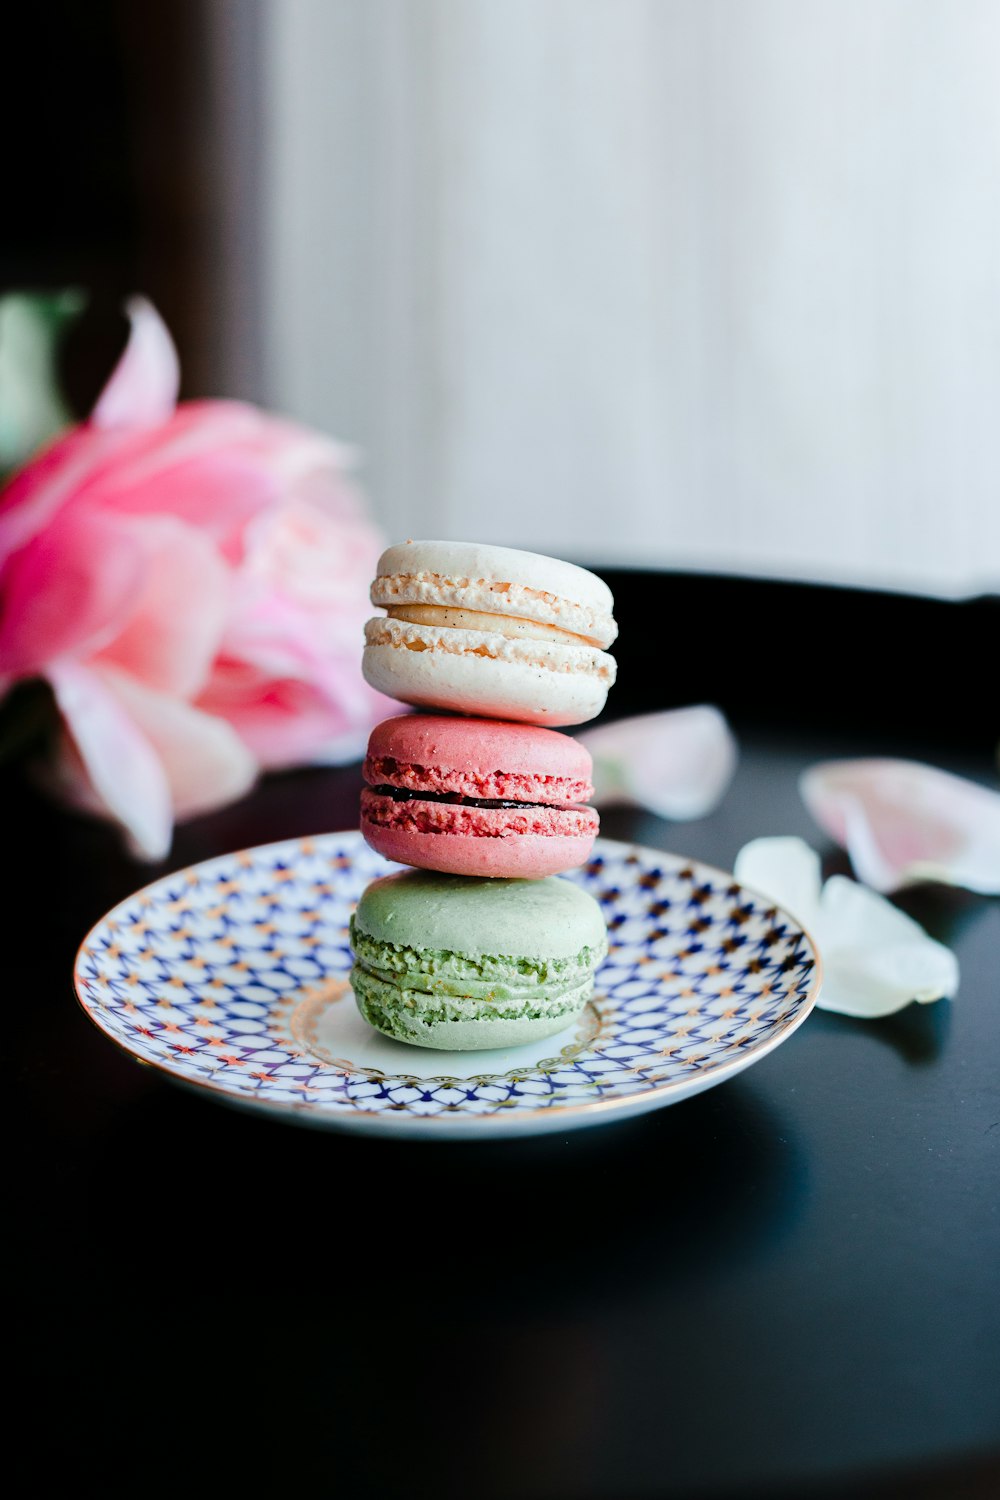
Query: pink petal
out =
(203, 466)
(142, 390)
(215, 464)
(205, 762)
(289, 721)
(288, 675)
(35, 494)
(178, 616)
(677, 764)
(140, 394)
(301, 595)
(110, 767)
(68, 592)
(903, 822)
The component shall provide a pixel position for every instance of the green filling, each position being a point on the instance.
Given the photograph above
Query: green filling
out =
(439, 971)
(395, 1010)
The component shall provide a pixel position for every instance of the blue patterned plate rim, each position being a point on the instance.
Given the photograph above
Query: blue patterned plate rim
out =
(764, 966)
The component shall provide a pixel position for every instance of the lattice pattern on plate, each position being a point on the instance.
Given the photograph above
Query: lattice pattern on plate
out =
(222, 973)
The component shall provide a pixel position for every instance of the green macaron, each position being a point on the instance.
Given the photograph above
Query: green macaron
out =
(451, 962)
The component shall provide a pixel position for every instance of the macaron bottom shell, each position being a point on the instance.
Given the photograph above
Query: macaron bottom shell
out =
(460, 839)
(476, 673)
(448, 1023)
(525, 856)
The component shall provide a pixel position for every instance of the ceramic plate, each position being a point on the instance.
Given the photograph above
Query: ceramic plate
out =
(232, 978)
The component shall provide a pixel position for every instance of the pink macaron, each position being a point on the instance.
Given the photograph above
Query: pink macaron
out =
(477, 796)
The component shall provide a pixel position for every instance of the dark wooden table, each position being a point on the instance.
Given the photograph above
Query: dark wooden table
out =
(789, 1285)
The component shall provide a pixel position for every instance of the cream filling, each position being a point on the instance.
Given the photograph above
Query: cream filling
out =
(595, 626)
(553, 656)
(511, 626)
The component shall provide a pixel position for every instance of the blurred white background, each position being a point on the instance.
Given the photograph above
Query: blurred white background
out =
(700, 283)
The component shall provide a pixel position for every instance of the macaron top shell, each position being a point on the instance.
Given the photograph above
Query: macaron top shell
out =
(478, 758)
(497, 581)
(532, 919)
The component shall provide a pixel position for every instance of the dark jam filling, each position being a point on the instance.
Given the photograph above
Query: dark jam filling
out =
(403, 794)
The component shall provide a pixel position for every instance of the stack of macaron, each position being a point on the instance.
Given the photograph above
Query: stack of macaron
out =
(480, 945)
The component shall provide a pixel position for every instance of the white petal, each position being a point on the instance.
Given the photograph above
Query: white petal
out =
(903, 822)
(117, 773)
(678, 763)
(876, 959)
(205, 762)
(785, 870)
(142, 390)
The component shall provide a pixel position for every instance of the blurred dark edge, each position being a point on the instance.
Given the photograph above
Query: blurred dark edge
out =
(132, 156)
(975, 1478)
(903, 669)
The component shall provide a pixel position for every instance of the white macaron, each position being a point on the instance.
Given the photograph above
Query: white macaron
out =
(491, 631)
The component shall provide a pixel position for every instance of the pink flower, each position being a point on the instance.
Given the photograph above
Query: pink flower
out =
(192, 581)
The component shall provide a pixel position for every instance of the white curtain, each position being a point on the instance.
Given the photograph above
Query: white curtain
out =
(709, 283)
